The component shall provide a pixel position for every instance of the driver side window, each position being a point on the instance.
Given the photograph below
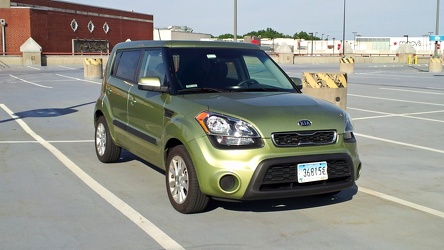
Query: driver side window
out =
(153, 65)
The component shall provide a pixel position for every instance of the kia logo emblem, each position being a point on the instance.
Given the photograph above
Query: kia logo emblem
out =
(304, 123)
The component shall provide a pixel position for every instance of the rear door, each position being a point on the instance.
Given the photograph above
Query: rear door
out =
(122, 78)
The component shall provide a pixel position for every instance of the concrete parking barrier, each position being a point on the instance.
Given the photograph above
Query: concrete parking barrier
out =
(347, 65)
(435, 64)
(92, 68)
(331, 87)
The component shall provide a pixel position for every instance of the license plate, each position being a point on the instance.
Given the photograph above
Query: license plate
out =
(315, 171)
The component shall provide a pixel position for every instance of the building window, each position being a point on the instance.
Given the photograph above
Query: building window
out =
(74, 25)
(90, 26)
(106, 27)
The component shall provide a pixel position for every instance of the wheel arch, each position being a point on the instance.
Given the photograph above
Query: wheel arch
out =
(171, 143)
(97, 115)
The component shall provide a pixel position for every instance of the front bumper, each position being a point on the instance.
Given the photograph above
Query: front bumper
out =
(271, 172)
(277, 178)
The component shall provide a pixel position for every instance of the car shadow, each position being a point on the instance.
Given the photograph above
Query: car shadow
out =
(261, 206)
(47, 112)
(276, 205)
(126, 156)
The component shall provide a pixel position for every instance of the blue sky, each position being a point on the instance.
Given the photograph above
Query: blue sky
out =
(385, 18)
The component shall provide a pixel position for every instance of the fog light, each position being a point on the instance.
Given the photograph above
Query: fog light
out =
(229, 183)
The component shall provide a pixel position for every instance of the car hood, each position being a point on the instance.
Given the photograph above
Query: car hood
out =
(274, 112)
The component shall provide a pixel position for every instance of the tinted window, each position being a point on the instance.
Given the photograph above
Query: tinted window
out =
(152, 65)
(226, 69)
(127, 64)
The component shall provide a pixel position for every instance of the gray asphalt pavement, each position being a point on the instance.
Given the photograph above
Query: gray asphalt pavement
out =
(55, 194)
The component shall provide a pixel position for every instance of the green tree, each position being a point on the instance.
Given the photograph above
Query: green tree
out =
(273, 34)
(226, 36)
(267, 33)
(304, 35)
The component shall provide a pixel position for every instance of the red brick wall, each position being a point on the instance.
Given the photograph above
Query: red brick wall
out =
(17, 29)
(51, 29)
(86, 8)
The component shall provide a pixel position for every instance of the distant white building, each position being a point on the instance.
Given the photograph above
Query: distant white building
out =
(178, 33)
(360, 45)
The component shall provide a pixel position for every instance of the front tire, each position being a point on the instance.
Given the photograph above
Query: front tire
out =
(181, 183)
(106, 150)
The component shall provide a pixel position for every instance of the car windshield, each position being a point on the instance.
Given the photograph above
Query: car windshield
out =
(227, 70)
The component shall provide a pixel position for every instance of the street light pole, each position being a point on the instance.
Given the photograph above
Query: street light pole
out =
(322, 41)
(333, 46)
(354, 40)
(316, 33)
(235, 20)
(311, 43)
(343, 34)
(437, 28)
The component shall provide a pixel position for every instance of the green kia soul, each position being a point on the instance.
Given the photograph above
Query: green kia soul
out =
(224, 121)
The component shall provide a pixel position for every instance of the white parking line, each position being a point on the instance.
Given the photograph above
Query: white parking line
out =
(25, 142)
(33, 68)
(413, 91)
(152, 230)
(61, 66)
(385, 76)
(402, 202)
(23, 80)
(397, 100)
(401, 143)
(407, 115)
(395, 199)
(78, 79)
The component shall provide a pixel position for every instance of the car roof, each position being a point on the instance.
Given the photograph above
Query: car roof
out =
(185, 44)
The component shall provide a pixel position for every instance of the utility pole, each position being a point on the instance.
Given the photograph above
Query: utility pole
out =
(311, 34)
(235, 20)
(343, 34)
(437, 29)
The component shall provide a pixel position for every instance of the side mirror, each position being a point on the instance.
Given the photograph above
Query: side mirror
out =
(151, 83)
(297, 81)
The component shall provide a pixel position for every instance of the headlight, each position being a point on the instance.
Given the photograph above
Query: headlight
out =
(348, 131)
(227, 132)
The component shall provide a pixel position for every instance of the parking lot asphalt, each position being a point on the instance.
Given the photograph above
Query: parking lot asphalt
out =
(55, 194)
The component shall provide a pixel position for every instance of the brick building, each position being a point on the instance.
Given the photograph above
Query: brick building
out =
(64, 27)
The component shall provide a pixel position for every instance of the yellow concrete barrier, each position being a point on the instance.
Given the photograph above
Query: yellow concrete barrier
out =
(435, 64)
(347, 60)
(347, 65)
(93, 61)
(331, 87)
(324, 80)
(92, 68)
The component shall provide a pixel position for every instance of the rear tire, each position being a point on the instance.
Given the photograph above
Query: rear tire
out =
(182, 184)
(106, 150)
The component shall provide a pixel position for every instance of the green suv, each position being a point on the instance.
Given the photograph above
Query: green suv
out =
(224, 121)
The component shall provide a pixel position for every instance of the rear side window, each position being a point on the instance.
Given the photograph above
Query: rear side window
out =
(126, 64)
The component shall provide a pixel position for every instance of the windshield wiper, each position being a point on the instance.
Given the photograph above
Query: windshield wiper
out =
(201, 90)
(262, 89)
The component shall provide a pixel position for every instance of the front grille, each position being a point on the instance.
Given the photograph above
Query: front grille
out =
(305, 138)
(285, 177)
